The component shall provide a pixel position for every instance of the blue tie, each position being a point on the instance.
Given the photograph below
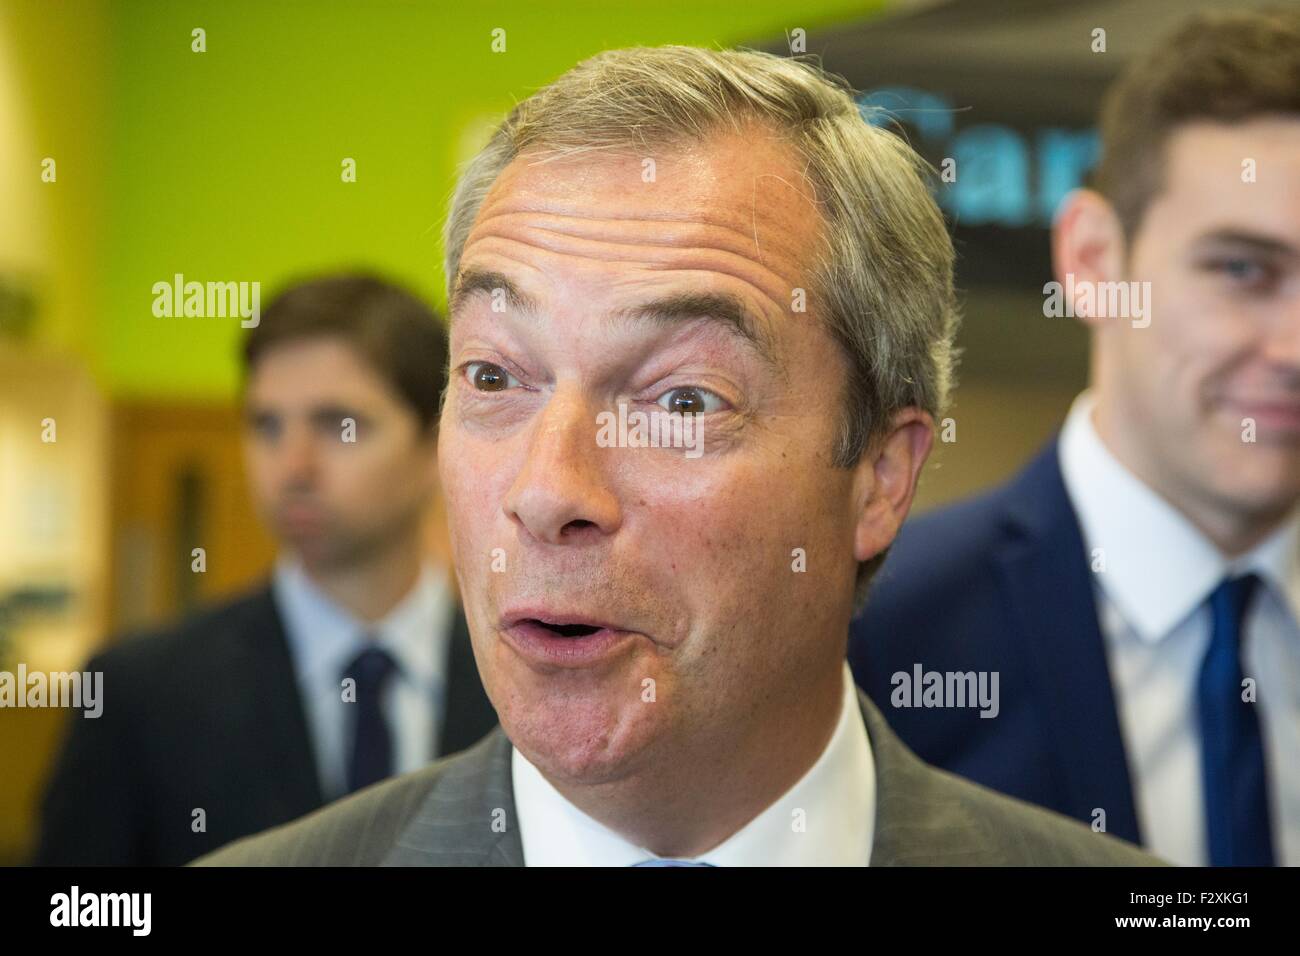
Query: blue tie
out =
(372, 744)
(1232, 747)
(668, 862)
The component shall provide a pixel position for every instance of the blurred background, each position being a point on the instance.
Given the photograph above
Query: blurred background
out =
(127, 157)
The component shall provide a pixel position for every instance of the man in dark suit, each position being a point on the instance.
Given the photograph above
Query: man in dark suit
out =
(352, 663)
(1134, 589)
(670, 454)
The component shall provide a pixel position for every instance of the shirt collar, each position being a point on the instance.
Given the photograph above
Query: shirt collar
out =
(1276, 560)
(325, 637)
(826, 819)
(1158, 566)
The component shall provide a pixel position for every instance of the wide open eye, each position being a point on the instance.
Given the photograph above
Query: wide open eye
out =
(486, 377)
(689, 400)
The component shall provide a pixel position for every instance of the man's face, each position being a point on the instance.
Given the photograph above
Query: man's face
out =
(1223, 346)
(686, 562)
(332, 500)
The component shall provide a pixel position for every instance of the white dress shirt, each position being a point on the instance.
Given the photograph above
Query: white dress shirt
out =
(324, 639)
(826, 819)
(1151, 600)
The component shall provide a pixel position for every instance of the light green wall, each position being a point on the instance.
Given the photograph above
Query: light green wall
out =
(225, 165)
(52, 105)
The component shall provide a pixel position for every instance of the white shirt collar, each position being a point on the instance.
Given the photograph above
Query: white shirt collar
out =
(325, 637)
(826, 819)
(1159, 567)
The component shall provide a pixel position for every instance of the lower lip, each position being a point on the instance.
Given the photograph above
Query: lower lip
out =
(543, 645)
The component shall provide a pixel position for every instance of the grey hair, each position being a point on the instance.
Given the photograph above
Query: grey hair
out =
(883, 277)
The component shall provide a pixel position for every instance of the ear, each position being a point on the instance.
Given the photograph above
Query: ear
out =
(1088, 244)
(885, 481)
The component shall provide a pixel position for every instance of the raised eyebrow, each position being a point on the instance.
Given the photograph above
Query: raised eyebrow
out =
(475, 282)
(723, 307)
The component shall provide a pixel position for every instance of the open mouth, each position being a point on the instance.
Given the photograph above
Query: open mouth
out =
(564, 638)
(564, 630)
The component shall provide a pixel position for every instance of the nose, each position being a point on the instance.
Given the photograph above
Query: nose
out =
(562, 494)
(298, 459)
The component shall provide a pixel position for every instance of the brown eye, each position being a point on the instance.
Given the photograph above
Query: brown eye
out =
(488, 377)
(689, 401)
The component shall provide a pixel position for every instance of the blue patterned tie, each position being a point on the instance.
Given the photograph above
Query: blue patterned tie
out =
(1232, 746)
(668, 862)
(372, 744)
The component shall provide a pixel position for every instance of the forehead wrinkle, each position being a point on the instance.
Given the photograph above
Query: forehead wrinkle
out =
(726, 259)
(569, 199)
(739, 233)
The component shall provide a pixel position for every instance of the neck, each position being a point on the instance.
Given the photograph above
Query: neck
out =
(370, 588)
(689, 802)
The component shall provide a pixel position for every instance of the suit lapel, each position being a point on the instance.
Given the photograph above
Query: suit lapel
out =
(917, 823)
(468, 817)
(1048, 582)
(277, 725)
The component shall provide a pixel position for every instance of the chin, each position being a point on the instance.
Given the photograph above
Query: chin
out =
(1268, 496)
(315, 552)
(583, 739)
(1265, 486)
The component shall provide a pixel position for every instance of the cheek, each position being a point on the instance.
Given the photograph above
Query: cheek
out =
(473, 485)
(1168, 365)
(1192, 339)
(723, 534)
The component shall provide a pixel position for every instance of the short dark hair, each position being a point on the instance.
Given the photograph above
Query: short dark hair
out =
(1216, 67)
(393, 330)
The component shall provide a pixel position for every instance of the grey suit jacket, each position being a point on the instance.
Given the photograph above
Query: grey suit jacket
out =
(459, 811)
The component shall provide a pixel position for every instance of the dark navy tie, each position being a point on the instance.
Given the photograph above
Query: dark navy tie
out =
(1232, 747)
(372, 743)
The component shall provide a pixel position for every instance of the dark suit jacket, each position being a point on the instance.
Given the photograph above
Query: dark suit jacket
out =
(1001, 583)
(206, 715)
(461, 812)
